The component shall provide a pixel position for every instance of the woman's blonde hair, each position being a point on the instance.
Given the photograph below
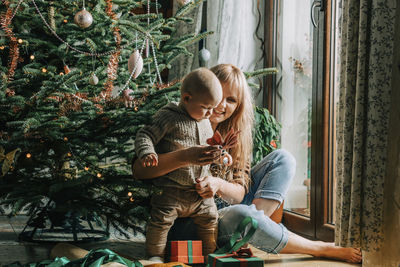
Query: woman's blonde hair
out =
(242, 118)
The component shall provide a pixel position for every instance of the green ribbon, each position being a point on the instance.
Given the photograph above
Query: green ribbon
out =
(190, 251)
(233, 243)
(106, 256)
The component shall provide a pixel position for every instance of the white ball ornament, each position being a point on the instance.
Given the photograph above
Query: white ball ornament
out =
(83, 19)
(204, 55)
(93, 80)
(183, 2)
(135, 60)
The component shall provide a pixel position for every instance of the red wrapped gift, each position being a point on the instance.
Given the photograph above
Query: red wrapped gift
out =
(188, 251)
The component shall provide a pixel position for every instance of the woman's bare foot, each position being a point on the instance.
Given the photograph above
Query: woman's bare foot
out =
(297, 244)
(329, 250)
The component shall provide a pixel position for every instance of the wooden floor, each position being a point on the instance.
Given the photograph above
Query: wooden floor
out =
(25, 252)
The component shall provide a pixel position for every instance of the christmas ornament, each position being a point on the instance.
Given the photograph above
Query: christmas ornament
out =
(183, 2)
(66, 69)
(7, 160)
(128, 99)
(51, 15)
(93, 80)
(135, 62)
(229, 141)
(204, 55)
(83, 19)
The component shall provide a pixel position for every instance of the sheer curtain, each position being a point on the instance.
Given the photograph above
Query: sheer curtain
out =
(234, 41)
(367, 132)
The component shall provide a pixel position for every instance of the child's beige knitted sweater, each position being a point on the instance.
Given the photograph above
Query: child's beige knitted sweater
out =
(171, 129)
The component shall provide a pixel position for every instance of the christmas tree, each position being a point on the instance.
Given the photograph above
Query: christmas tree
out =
(78, 79)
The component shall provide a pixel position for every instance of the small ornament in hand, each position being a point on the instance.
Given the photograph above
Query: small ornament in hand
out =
(229, 141)
(150, 160)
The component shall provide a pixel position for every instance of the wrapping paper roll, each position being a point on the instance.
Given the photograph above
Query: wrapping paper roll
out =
(67, 250)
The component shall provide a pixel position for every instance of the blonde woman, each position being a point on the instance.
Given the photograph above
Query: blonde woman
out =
(241, 191)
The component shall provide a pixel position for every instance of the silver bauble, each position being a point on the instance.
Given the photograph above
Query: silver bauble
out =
(135, 60)
(83, 19)
(204, 55)
(93, 80)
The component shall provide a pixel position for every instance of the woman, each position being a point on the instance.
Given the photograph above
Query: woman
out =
(257, 197)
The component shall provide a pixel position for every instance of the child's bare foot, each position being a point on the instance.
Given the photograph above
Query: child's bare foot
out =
(329, 250)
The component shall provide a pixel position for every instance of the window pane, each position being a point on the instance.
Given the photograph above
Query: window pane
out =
(294, 95)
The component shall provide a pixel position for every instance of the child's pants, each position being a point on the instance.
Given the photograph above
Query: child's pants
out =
(176, 203)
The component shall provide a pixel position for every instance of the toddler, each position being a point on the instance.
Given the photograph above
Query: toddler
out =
(176, 126)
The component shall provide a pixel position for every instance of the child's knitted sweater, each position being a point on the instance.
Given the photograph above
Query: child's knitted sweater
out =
(171, 129)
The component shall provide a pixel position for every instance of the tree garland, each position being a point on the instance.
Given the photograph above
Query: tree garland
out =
(114, 58)
(14, 50)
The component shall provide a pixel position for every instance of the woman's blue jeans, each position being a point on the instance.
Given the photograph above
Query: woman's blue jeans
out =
(271, 179)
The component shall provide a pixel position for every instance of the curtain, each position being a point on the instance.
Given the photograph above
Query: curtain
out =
(389, 254)
(366, 69)
(237, 27)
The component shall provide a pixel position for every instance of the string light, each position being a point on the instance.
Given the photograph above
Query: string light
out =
(20, 41)
(131, 199)
(65, 139)
(69, 154)
(44, 70)
(86, 168)
(98, 175)
(28, 155)
(2, 47)
(32, 57)
(129, 194)
(61, 73)
(65, 21)
(136, 108)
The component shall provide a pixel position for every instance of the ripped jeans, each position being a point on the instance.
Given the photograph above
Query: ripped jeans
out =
(271, 179)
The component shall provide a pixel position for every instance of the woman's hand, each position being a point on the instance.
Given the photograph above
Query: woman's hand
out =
(202, 155)
(207, 186)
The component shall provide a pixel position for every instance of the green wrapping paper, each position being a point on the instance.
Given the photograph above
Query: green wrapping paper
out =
(232, 254)
(240, 258)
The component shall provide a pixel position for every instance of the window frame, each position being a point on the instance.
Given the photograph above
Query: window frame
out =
(318, 225)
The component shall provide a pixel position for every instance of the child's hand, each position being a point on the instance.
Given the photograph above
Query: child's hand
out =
(226, 159)
(150, 160)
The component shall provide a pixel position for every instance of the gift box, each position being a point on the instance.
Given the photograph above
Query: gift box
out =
(188, 251)
(240, 258)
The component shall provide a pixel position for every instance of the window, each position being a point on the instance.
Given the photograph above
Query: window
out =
(301, 45)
